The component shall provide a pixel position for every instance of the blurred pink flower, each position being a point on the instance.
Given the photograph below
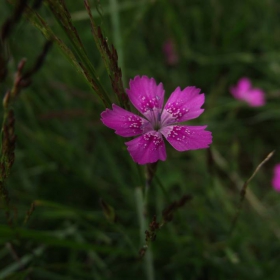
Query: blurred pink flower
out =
(244, 91)
(158, 121)
(170, 52)
(276, 177)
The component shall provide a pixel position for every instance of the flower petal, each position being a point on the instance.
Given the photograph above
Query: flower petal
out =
(145, 94)
(276, 178)
(147, 148)
(183, 137)
(244, 84)
(255, 97)
(182, 105)
(241, 89)
(124, 123)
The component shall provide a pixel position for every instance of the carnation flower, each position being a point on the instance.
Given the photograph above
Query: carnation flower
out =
(158, 121)
(244, 91)
(276, 177)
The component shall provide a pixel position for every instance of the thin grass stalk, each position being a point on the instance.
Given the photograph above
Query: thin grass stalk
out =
(117, 36)
(8, 137)
(110, 60)
(243, 192)
(126, 6)
(36, 20)
(63, 17)
(6, 30)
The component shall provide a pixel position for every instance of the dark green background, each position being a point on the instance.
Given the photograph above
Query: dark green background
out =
(66, 160)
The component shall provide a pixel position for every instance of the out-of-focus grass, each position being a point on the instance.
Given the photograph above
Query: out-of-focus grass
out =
(66, 159)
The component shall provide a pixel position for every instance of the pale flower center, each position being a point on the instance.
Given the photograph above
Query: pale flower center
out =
(154, 117)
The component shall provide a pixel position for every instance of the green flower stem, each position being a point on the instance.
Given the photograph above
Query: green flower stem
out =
(141, 210)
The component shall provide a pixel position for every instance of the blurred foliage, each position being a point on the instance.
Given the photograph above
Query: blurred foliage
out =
(66, 160)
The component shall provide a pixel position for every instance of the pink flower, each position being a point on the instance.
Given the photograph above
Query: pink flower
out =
(276, 177)
(244, 91)
(158, 121)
